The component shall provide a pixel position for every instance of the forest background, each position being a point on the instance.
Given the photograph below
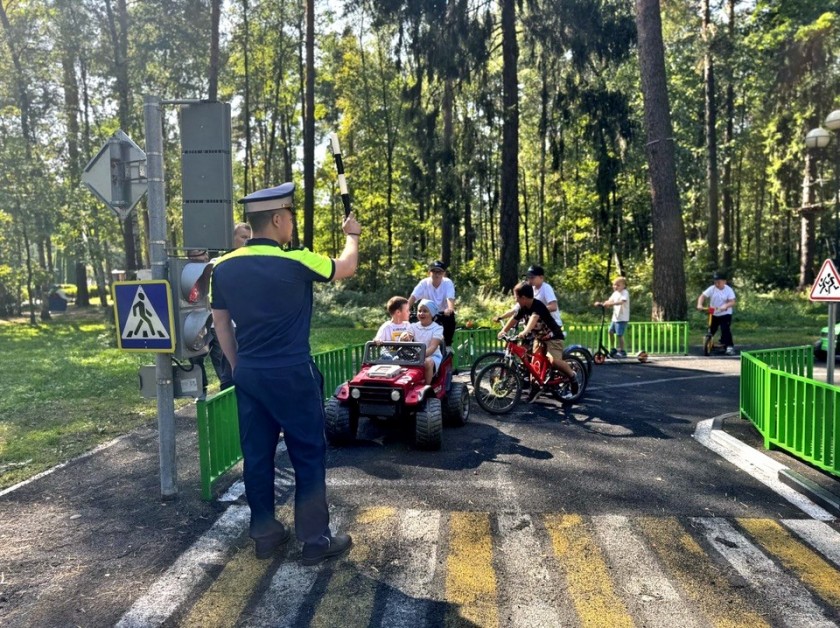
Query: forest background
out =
(419, 92)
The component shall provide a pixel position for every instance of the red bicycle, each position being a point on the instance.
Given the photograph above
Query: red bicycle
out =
(498, 386)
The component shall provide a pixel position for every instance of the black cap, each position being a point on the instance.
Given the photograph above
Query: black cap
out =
(437, 265)
(718, 275)
(535, 271)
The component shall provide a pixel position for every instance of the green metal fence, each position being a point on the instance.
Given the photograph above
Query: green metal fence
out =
(218, 425)
(218, 438)
(791, 410)
(666, 338)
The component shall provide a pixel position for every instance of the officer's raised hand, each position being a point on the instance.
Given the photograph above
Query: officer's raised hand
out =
(351, 226)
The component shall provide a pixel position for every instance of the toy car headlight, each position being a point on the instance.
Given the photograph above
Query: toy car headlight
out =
(395, 395)
(355, 393)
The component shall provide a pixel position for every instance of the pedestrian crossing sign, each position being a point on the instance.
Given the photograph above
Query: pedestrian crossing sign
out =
(143, 312)
(827, 284)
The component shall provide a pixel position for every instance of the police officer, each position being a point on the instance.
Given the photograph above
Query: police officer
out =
(267, 290)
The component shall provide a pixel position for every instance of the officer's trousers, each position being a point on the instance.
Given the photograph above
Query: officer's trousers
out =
(287, 398)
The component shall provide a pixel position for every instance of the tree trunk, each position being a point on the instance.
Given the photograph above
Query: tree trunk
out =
(669, 299)
(509, 213)
(119, 43)
(807, 224)
(712, 180)
(247, 188)
(728, 216)
(309, 130)
(447, 168)
(213, 73)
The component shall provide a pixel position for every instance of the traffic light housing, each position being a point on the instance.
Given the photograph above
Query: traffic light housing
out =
(190, 282)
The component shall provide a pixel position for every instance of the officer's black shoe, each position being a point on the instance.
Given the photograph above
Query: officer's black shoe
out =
(314, 553)
(264, 546)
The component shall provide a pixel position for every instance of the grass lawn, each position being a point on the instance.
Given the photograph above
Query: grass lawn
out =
(66, 387)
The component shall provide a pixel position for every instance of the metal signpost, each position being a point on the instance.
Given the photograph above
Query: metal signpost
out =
(827, 288)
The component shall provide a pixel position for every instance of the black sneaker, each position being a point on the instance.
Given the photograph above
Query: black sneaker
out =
(314, 553)
(264, 546)
(535, 392)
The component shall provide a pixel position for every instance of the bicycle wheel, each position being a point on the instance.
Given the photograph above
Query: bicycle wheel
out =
(563, 392)
(497, 388)
(583, 354)
(483, 360)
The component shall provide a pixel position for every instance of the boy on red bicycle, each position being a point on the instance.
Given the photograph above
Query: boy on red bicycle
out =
(539, 319)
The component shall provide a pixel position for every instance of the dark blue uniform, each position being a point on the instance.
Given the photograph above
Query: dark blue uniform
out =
(268, 292)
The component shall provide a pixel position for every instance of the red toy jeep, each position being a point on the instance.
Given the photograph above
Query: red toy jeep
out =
(391, 384)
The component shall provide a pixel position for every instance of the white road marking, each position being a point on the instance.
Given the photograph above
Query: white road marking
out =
(762, 468)
(411, 583)
(819, 535)
(190, 569)
(645, 587)
(282, 601)
(47, 472)
(653, 382)
(784, 593)
(531, 586)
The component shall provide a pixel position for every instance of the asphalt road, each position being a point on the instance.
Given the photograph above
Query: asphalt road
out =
(607, 513)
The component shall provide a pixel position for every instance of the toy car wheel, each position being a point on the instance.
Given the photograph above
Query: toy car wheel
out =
(457, 405)
(429, 425)
(341, 426)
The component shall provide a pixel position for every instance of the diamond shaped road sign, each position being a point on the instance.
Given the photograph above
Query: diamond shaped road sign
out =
(827, 284)
(117, 174)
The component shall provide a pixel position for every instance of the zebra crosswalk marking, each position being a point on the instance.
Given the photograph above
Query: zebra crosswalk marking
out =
(822, 538)
(700, 578)
(188, 572)
(351, 592)
(226, 598)
(291, 583)
(470, 577)
(652, 599)
(412, 577)
(792, 601)
(530, 585)
(413, 568)
(586, 573)
(811, 567)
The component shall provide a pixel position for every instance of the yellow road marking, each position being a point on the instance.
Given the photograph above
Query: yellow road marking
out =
(586, 573)
(811, 568)
(225, 599)
(350, 595)
(700, 577)
(470, 578)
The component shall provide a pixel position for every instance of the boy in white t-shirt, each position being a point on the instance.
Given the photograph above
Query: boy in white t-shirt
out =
(722, 298)
(390, 331)
(428, 332)
(619, 301)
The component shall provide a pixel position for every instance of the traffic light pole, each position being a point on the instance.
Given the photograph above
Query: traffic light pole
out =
(157, 252)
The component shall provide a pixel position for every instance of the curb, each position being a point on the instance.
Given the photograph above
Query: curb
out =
(809, 489)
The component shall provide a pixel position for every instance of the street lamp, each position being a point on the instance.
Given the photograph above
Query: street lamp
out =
(820, 138)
